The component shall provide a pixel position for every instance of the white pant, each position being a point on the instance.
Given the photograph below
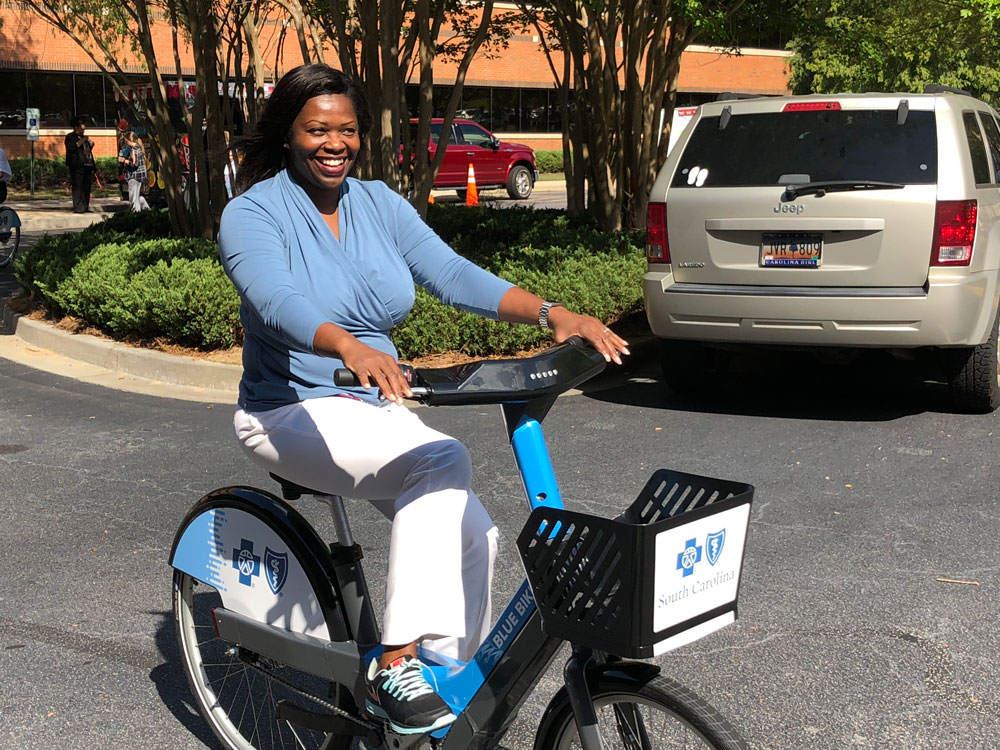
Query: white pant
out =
(443, 543)
(135, 196)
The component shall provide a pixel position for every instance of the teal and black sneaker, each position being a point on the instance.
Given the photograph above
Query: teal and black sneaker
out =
(401, 695)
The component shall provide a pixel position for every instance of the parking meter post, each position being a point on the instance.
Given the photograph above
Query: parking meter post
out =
(32, 181)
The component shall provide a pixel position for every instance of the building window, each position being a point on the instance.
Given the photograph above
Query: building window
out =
(52, 95)
(506, 109)
(535, 110)
(476, 106)
(90, 100)
(14, 99)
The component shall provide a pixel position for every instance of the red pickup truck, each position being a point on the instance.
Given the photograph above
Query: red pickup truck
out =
(497, 163)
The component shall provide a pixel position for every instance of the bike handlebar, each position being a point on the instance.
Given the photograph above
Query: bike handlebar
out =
(497, 381)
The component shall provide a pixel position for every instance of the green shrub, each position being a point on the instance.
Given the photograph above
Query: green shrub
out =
(173, 288)
(116, 276)
(549, 161)
(191, 301)
(547, 253)
(54, 173)
(51, 259)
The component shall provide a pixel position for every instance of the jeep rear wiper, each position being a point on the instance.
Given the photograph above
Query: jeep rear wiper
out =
(834, 186)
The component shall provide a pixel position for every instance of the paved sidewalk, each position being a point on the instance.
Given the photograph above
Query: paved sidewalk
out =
(57, 214)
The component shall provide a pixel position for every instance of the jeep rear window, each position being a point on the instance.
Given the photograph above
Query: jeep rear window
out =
(757, 149)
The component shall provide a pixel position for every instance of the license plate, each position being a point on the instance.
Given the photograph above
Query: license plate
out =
(791, 250)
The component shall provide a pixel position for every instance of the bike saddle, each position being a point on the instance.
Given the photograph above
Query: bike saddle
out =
(292, 491)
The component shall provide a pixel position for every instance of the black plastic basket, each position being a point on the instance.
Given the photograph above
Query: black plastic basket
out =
(664, 573)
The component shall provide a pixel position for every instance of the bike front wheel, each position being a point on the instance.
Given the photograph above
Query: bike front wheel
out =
(10, 235)
(238, 691)
(660, 714)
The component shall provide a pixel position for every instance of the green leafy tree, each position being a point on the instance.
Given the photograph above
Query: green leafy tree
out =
(389, 43)
(223, 35)
(902, 45)
(616, 64)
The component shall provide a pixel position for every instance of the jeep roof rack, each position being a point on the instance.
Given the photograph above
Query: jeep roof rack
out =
(938, 88)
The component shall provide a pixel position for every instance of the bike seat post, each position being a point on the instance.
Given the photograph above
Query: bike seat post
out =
(339, 513)
(351, 579)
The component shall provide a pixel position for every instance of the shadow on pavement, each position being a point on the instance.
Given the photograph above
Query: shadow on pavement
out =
(789, 384)
(172, 684)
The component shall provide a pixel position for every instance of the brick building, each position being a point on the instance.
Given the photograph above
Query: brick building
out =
(512, 94)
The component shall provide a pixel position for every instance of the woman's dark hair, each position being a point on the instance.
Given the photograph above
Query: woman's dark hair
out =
(263, 150)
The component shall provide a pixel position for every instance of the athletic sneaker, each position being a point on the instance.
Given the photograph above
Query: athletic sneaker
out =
(401, 695)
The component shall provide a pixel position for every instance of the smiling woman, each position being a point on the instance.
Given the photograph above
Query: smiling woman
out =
(325, 265)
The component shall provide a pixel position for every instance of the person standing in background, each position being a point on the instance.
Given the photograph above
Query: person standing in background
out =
(5, 174)
(80, 161)
(132, 157)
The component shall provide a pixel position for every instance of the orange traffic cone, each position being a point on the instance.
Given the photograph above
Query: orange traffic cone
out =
(430, 199)
(471, 194)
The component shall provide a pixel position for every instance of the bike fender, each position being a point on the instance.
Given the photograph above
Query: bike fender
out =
(263, 558)
(624, 674)
(11, 219)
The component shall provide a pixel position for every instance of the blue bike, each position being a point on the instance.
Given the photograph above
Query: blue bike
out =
(275, 626)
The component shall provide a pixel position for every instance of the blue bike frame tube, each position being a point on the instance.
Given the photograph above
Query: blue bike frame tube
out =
(534, 464)
(541, 488)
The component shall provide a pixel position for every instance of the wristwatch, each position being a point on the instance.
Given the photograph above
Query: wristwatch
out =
(543, 313)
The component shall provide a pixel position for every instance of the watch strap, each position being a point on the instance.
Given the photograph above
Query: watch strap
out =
(543, 313)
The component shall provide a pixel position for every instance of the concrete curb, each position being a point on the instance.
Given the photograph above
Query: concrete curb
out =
(129, 360)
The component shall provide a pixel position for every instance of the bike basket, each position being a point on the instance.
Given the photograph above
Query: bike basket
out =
(664, 573)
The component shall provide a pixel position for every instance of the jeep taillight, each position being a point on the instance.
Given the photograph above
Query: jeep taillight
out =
(657, 250)
(954, 233)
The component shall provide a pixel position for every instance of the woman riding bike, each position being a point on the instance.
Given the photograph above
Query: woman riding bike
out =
(325, 265)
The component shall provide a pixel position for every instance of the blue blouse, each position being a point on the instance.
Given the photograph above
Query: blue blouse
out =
(293, 274)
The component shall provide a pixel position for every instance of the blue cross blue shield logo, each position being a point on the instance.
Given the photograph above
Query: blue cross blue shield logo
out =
(714, 544)
(275, 569)
(246, 562)
(688, 557)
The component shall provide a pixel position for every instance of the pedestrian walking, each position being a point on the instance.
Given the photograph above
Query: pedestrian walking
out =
(80, 161)
(132, 158)
(5, 174)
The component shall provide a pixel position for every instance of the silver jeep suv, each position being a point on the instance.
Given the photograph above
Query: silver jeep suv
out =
(861, 220)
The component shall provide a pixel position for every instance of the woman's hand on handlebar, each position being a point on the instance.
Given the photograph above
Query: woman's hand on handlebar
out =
(566, 324)
(376, 368)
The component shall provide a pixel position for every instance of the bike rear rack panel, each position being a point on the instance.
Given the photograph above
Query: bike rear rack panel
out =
(663, 573)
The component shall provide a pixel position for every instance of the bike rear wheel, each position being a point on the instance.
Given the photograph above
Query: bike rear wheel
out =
(237, 691)
(10, 235)
(660, 714)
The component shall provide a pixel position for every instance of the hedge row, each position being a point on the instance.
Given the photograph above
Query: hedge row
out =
(54, 173)
(125, 277)
(549, 161)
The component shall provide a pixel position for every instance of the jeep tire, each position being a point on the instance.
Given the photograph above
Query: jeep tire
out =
(973, 374)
